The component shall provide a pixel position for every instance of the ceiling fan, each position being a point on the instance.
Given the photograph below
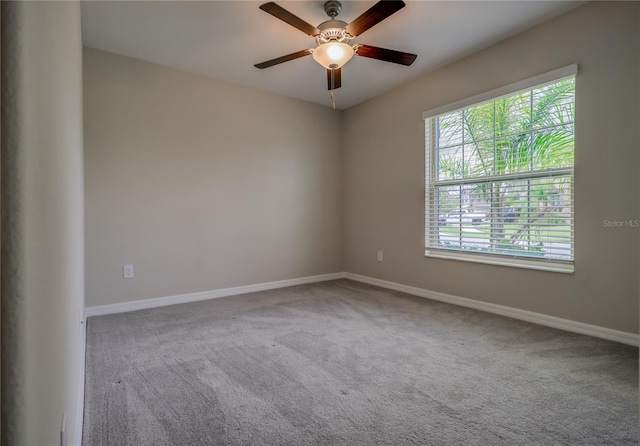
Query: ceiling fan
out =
(333, 36)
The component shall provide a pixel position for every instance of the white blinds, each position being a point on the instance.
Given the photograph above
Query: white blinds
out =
(499, 177)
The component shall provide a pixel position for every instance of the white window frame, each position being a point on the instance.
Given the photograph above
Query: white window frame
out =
(430, 220)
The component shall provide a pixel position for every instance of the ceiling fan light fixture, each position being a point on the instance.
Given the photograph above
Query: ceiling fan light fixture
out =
(333, 54)
(333, 36)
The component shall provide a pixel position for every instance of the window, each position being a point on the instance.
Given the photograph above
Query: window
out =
(499, 175)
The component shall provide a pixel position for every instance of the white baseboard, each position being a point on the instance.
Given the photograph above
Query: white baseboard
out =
(529, 316)
(515, 313)
(204, 295)
(81, 370)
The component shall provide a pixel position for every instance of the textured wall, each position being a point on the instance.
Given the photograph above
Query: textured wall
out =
(42, 214)
(384, 171)
(201, 184)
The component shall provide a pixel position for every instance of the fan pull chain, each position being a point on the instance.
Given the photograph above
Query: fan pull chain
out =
(333, 102)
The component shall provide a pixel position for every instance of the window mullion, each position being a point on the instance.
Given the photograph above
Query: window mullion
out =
(512, 176)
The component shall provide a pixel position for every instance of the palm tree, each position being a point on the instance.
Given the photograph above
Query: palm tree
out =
(528, 132)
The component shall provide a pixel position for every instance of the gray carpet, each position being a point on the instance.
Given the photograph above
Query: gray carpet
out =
(344, 363)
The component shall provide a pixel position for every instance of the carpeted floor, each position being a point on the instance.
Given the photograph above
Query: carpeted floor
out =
(344, 363)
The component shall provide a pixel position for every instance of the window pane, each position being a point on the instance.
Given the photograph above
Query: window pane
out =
(450, 163)
(458, 219)
(554, 104)
(513, 114)
(550, 215)
(553, 148)
(450, 129)
(449, 199)
(513, 154)
(479, 122)
(479, 159)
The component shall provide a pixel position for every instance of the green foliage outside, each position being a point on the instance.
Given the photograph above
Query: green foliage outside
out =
(519, 135)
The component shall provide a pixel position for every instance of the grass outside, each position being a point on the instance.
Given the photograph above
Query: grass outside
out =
(559, 233)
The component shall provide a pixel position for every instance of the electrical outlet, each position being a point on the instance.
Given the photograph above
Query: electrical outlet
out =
(127, 271)
(380, 256)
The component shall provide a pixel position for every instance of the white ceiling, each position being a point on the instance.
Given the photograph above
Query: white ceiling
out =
(224, 39)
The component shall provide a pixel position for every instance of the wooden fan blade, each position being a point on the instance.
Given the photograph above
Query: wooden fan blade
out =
(334, 78)
(288, 57)
(287, 17)
(384, 54)
(374, 15)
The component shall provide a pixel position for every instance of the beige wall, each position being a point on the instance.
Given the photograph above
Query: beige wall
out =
(42, 210)
(202, 184)
(384, 171)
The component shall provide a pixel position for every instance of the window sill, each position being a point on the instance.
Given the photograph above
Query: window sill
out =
(554, 267)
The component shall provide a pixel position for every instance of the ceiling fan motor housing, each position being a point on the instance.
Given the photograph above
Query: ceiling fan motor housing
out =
(333, 30)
